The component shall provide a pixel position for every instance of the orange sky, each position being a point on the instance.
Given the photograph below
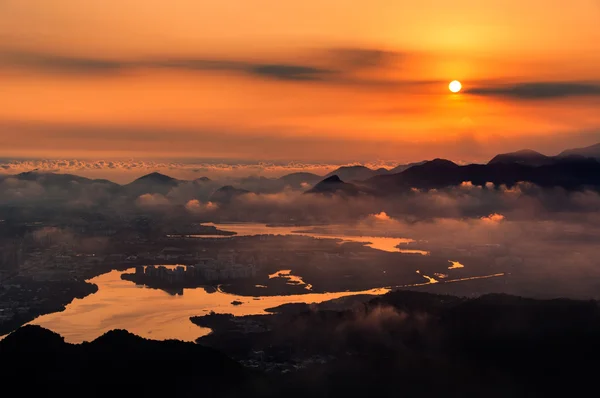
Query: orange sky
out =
(310, 80)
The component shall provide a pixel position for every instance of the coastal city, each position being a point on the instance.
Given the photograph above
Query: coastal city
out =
(225, 267)
(48, 264)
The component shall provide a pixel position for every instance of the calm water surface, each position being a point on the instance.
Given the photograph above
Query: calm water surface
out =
(155, 314)
(376, 242)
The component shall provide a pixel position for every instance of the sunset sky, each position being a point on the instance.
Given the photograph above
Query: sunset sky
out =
(310, 81)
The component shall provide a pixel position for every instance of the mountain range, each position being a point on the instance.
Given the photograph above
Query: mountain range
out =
(571, 169)
(568, 173)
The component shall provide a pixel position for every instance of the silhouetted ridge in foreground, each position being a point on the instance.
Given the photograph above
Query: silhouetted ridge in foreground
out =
(118, 360)
(408, 343)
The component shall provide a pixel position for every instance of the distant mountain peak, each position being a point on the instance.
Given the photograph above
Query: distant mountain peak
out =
(151, 183)
(527, 157)
(334, 185)
(401, 167)
(32, 172)
(353, 167)
(228, 188)
(529, 152)
(332, 180)
(435, 164)
(592, 151)
(155, 176)
(356, 172)
(52, 178)
(226, 193)
(441, 162)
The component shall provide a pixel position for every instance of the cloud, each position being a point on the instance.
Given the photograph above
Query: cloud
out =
(56, 63)
(71, 64)
(195, 206)
(493, 218)
(539, 90)
(468, 185)
(382, 216)
(152, 200)
(546, 238)
(127, 169)
(65, 64)
(290, 72)
(363, 57)
(330, 68)
(486, 207)
(12, 189)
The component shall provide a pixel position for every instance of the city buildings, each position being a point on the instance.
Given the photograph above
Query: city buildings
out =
(224, 267)
(11, 255)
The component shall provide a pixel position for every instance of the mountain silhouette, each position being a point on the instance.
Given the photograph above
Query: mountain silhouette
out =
(153, 183)
(356, 173)
(401, 167)
(65, 181)
(155, 178)
(532, 158)
(334, 185)
(295, 180)
(572, 169)
(592, 151)
(570, 173)
(525, 156)
(109, 361)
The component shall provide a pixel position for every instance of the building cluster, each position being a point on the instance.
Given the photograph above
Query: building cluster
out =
(11, 255)
(223, 268)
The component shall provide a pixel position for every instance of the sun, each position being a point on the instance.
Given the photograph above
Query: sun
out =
(455, 86)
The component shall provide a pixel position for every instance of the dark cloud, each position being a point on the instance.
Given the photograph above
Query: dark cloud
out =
(330, 68)
(290, 72)
(279, 71)
(363, 57)
(540, 90)
(198, 64)
(55, 63)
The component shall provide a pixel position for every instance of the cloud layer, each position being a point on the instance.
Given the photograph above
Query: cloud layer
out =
(539, 90)
(331, 65)
(125, 170)
(545, 238)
